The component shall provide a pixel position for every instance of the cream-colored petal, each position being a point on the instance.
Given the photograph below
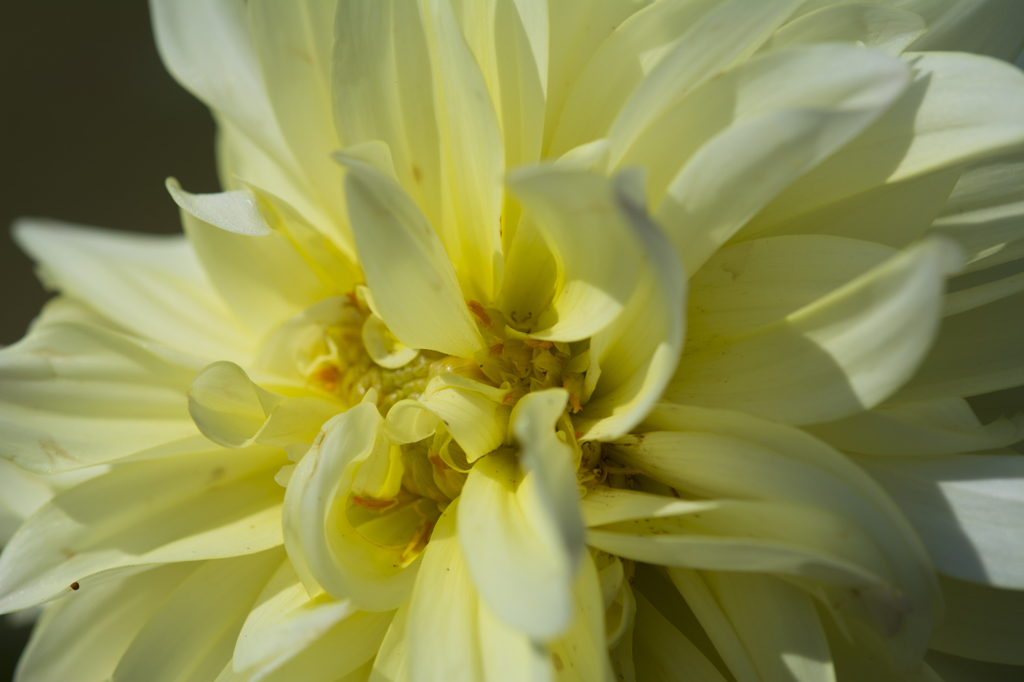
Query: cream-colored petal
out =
(577, 31)
(552, 494)
(391, 663)
(208, 48)
(214, 504)
(264, 278)
(778, 626)
(731, 147)
(978, 351)
(889, 29)
(293, 43)
(442, 628)
(414, 286)
(839, 486)
(243, 164)
(663, 654)
(985, 211)
(846, 352)
(947, 117)
(321, 535)
(934, 427)
(983, 623)
(382, 88)
(631, 359)
(77, 393)
(700, 54)
(192, 635)
(715, 622)
(968, 509)
(234, 412)
(472, 155)
(582, 654)
(757, 282)
(150, 285)
(83, 636)
(895, 214)
(597, 258)
(473, 412)
(522, 571)
(508, 655)
(984, 27)
(288, 636)
(381, 346)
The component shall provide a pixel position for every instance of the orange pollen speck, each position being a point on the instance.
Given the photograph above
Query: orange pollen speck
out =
(479, 311)
(536, 343)
(497, 348)
(574, 401)
(373, 505)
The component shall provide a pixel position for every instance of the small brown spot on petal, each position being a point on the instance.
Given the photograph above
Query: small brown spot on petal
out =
(75, 586)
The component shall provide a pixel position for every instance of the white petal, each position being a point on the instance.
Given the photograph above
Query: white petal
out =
(414, 286)
(778, 626)
(846, 352)
(968, 509)
(663, 654)
(150, 285)
(214, 504)
(935, 427)
(521, 570)
(982, 623)
(631, 359)
(193, 634)
(83, 636)
(207, 47)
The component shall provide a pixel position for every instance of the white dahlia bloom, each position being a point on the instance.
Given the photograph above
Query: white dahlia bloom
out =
(544, 340)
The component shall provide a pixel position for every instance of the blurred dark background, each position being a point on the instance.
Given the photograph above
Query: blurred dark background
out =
(90, 125)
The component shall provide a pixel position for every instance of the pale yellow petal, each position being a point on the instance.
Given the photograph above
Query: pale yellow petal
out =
(581, 654)
(885, 28)
(213, 504)
(424, 307)
(846, 352)
(442, 628)
(522, 572)
(77, 393)
(631, 359)
(984, 27)
(597, 260)
(778, 626)
(968, 510)
(83, 636)
(151, 285)
(663, 654)
(323, 540)
(193, 634)
(728, 149)
(715, 622)
(983, 623)
(508, 655)
(472, 155)
(934, 427)
(233, 411)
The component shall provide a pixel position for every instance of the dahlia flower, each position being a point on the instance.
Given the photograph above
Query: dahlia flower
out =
(607, 340)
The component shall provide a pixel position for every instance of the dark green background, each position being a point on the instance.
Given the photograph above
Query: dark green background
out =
(90, 125)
